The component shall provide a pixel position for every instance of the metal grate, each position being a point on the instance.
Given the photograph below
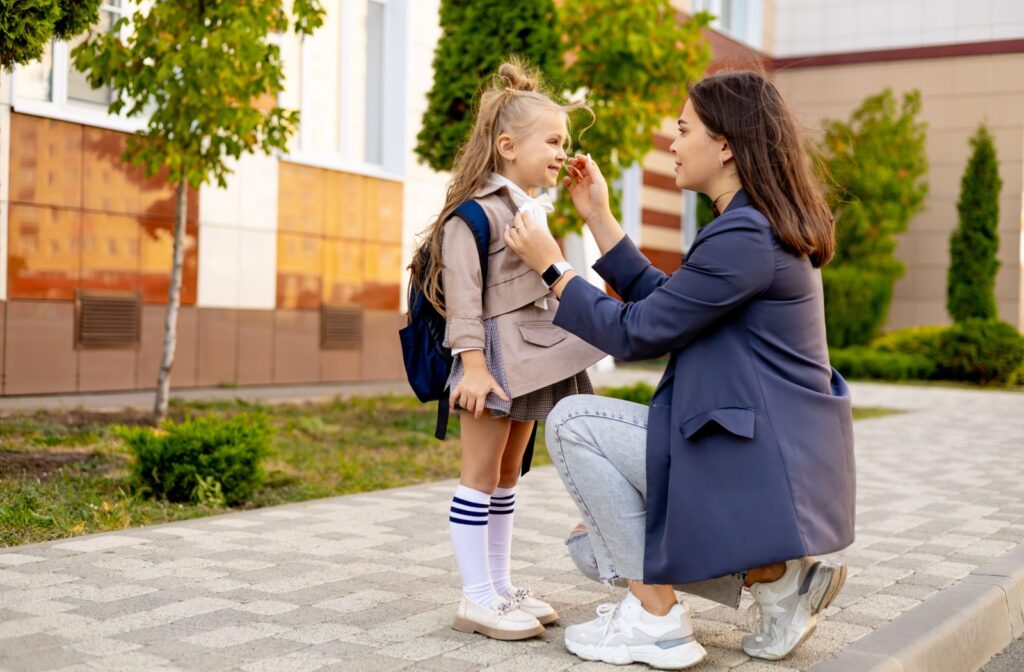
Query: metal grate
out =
(341, 328)
(107, 320)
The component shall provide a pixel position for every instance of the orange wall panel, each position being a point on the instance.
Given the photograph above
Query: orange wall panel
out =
(301, 198)
(46, 162)
(110, 252)
(299, 271)
(44, 260)
(156, 253)
(342, 271)
(384, 211)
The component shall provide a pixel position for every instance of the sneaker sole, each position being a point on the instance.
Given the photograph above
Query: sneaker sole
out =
(823, 596)
(818, 600)
(677, 658)
(470, 627)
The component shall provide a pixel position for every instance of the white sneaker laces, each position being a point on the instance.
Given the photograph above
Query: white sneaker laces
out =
(765, 627)
(607, 613)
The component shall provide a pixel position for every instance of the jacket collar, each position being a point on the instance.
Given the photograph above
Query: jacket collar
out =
(739, 200)
(488, 189)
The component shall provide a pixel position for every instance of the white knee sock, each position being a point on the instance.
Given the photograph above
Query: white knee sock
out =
(468, 524)
(499, 539)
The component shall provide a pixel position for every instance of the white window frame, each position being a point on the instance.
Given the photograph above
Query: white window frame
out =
(59, 106)
(753, 19)
(306, 150)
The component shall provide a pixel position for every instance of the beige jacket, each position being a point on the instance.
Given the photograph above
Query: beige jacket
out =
(535, 352)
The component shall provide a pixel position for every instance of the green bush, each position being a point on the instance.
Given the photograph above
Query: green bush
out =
(862, 362)
(205, 460)
(923, 341)
(981, 351)
(640, 393)
(856, 303)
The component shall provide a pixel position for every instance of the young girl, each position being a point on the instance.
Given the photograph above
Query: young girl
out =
(511, 363)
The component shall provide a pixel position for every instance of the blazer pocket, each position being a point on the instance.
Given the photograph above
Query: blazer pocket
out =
(543, 334)
(735, 420)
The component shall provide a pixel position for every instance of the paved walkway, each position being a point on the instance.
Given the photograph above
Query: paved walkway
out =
(368, 582)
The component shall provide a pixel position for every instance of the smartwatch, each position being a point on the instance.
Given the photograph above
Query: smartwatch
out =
(554, 272)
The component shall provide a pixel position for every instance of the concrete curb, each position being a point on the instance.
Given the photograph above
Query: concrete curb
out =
(958, 630)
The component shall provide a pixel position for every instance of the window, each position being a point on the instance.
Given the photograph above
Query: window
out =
(53, 87)
(740, 18)
(347, 80)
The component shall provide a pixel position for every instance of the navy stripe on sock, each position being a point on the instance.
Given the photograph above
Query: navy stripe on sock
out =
(464, 502)
(501, 505)
(468, 513)
(492, 511)
(503, 497)
(466, 522)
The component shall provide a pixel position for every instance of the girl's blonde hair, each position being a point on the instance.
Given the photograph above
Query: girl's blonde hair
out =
(508, 105)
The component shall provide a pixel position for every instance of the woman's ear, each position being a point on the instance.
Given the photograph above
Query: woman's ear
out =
(506, 148)
(724, 153)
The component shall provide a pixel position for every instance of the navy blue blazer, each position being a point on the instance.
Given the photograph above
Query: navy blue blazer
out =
(750, 436)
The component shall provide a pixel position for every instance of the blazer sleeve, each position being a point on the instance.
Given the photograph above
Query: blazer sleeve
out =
(463, 287)
(724, 271)
(628, 271)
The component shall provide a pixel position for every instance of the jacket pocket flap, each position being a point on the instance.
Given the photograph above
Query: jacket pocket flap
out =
(543, 334)
(738, 421)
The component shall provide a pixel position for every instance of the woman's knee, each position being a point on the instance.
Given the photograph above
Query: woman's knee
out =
(563, 411)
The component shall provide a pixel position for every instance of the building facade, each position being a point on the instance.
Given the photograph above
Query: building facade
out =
(295, 273)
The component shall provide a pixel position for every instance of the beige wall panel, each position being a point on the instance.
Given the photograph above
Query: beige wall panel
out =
(218, 347)
(106, 369)
(255, 347)
(382, 351)
(183, 372)
(296, 346)
(40, 356)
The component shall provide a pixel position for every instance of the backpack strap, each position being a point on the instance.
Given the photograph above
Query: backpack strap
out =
(475, 217)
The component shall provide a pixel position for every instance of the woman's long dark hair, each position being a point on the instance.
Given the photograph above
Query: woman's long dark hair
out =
(747, 110)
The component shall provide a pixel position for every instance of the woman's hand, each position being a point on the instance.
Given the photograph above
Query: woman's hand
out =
(471, 392)
(587, 186)
(533, 243)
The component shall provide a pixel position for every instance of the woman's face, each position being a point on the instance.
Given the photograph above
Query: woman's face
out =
(696, 153)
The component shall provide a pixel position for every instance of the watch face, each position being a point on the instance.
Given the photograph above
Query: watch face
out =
(551, 275)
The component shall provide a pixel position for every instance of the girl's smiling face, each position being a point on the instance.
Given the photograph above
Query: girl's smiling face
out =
(534, 159)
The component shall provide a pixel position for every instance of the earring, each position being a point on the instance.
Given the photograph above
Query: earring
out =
(721, 161)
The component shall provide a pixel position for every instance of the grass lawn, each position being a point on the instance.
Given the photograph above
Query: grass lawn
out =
(64, 473)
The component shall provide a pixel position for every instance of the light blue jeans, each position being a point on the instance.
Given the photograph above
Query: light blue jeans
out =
(598, 445)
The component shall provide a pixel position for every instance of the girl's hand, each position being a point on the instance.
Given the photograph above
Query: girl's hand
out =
(471, 392)
(534, 244)
(587, 186)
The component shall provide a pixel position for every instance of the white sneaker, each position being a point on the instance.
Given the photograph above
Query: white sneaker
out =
(626, 633)
(537, 608)
(503, 620)
(785, 612)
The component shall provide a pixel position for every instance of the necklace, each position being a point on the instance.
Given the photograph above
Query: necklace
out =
(714, 201)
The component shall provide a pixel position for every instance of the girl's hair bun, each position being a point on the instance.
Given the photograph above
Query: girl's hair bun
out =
(513, 75)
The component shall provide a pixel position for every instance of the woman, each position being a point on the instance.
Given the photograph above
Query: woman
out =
(748, 469)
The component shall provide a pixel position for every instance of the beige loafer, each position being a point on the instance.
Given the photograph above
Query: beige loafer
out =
(503, 620)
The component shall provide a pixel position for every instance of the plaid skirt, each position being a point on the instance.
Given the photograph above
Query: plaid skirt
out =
(535, 405)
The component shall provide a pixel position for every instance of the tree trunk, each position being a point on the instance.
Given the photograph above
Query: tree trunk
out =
(163, 383)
